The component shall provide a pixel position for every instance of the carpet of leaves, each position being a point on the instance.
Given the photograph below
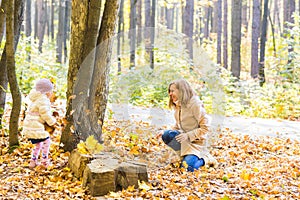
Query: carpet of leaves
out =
(250, 167)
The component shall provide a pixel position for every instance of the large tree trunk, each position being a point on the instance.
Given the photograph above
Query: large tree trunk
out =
(139, 22)
(81, 115)
(18, 19)
(12, 78)
(263, 43)
(255, 37)
(79, 17)
(132, 33)
(236, 22)
(100, 80)
(225, 35)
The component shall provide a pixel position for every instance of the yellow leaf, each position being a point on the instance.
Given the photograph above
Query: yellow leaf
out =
(143, 186)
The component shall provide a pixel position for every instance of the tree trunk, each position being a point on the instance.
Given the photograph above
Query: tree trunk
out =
(120, 34)
(132, 33)
(147, 28)
(153, 8)
(28, 28)
(52, 19)
(18, 19)
(214, 20)
(139, 23)
(79, 15)
(36, 20)
(66, 28)
(244, 16)
(188, 28)
(81, 115)
(100, 79)
(41, 23)
(219, 31)
(255, 37)
(236, 22)
(60, 32)
(12, 78)
(225, 35)
(2, 19)
(263, 43)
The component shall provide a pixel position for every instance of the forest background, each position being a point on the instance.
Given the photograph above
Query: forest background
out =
(249, 50)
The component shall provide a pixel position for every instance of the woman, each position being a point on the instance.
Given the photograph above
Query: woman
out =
(192, 126)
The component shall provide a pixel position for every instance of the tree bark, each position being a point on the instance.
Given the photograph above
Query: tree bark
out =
(188, 27)
(219, 32)
(52, 20)
(100, 79)
(255, 37)
(60, 32)
(147, 28)
(263, 43)
(36, 20)
(225, 35)
(236, 22)
(66, 28)
(139, 22)
(120, 34)
(70, 137)
(12, 78)
(41, 23)
(80, 106)
(2, 19)
(28, 29)
(132, 33)
(153, 8)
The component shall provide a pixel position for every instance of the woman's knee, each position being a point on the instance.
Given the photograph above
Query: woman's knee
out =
(169, 135)
(192, 162)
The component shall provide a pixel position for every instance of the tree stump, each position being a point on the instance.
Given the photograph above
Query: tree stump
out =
(106, 172)
(78, 162)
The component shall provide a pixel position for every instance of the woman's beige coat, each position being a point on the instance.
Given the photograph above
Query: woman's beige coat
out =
(39, 112)
(193, 121)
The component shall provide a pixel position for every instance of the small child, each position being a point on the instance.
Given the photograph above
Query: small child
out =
(39, 112)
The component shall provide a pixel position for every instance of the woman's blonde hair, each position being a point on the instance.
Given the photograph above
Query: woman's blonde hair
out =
(185, 92)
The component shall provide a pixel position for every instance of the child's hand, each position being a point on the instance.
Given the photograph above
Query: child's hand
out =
(159, 135)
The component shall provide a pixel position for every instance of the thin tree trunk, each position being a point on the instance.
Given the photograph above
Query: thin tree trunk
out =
(219, 31)
(147, 28)
(139, 22)
(132, 33)
(60, 32)
(225, 36)
(66, 28)
(152, 34)
(41, 23)
(28, 28)
(2, 18)
(36, 19)
(255, 37)
(52, 19)
(236, 22)
(18, 20)
(263, 43)
(188, 28)
(120, 33)
(12, 78)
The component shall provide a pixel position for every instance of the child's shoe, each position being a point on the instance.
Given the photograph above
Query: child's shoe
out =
(33, 164)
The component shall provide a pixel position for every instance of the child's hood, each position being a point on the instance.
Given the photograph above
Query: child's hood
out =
(35, 95)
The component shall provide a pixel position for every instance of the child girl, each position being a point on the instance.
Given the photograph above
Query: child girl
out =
(39, 112)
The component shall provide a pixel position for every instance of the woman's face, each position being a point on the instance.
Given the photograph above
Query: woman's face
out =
(173, 93)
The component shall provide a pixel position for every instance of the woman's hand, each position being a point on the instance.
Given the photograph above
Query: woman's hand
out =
(182, 137)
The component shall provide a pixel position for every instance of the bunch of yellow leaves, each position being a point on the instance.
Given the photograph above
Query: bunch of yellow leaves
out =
(90, 146)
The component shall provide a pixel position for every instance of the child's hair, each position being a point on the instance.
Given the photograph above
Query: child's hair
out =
(43, 86)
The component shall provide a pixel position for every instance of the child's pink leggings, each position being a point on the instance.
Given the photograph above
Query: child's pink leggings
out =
(44, 146)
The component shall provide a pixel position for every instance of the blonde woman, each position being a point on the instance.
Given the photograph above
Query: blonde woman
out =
(188, 135)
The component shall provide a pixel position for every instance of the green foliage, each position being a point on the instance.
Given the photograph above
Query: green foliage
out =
(39, 65)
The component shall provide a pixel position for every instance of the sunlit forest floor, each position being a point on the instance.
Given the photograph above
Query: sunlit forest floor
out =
(250, 167)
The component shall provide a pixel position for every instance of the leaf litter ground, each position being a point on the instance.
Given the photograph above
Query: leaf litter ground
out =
(250, 167)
